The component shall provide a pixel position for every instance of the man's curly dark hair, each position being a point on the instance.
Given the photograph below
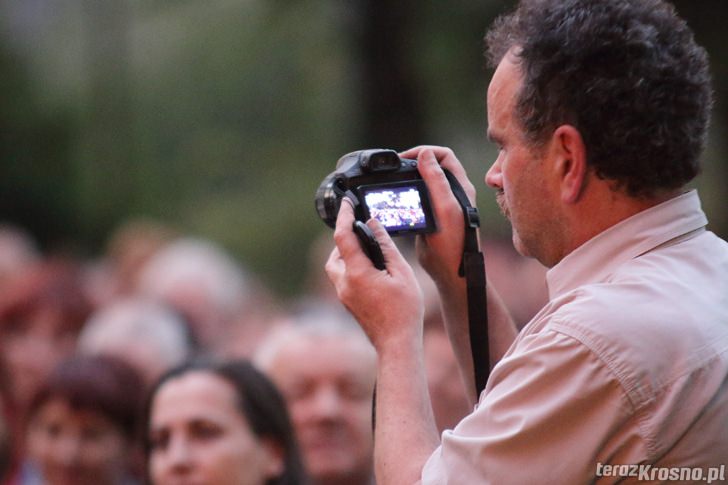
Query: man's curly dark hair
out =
(626, 73)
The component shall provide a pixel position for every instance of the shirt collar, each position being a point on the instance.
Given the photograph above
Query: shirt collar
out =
(597, 258)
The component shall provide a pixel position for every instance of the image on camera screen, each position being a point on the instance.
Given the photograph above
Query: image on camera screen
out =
(397, 208)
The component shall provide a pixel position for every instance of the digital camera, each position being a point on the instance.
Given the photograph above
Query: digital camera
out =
(383, 186)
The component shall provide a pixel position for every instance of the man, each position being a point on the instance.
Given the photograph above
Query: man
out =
(204, 284)
(146, 334)
(326, 368)
(600, 110)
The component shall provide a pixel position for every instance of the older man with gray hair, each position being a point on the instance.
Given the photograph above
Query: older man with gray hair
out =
(202, 282)
(325, 367)
(147, 334)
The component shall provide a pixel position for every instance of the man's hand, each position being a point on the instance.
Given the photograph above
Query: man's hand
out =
(440, 252)
(389, 307)
(387, 304)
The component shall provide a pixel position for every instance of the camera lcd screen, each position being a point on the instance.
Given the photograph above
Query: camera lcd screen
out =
(399, 207)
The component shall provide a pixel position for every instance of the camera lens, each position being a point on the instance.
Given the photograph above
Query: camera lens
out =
(327, 201)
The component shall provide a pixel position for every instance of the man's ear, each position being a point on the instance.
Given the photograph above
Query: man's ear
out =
(571, 163)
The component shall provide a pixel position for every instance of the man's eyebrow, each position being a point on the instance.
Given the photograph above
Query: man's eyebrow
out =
(492, 137)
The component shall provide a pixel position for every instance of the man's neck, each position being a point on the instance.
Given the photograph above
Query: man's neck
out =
(604, 207)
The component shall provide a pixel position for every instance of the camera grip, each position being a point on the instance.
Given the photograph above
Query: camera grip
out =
(369, 244)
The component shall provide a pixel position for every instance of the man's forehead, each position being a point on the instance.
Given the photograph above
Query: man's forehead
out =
(506, 78)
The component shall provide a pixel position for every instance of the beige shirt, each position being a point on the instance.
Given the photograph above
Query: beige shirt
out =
(626, 365)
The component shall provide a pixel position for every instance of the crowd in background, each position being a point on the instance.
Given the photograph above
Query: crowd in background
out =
(166, 358)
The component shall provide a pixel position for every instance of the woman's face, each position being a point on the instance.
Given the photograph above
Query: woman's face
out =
(31, 348)
(199, 436)
(76, 446)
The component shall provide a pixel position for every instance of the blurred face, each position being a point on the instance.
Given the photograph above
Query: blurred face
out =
(31, 348)
(199, 436)
(76, 446)
(518, 173)
(328, 383)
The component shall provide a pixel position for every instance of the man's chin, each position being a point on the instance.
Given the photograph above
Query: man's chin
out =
(327, 456)
(342, 477)
(520, 247)
(329, 471)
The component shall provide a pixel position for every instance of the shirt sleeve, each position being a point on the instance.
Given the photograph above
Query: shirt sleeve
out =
(550, 407)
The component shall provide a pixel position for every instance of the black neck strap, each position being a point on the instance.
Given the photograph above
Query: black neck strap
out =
(472, 268)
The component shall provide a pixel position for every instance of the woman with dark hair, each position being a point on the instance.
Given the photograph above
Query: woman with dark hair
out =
(83, 424)
(42, 311)
(220, 423)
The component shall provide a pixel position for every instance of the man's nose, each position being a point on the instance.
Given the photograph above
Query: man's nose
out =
(68, 449)
(327, 403)
(494, 176)
(179, 455)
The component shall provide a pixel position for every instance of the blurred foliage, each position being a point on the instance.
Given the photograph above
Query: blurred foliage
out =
(221, 117)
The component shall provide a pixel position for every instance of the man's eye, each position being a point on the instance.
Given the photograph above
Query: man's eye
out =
(53, 430)
(206, 430)
(158, 441)
(355, 391)
(298, 391)
(92, 434)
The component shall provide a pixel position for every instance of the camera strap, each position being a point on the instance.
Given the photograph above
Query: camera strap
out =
(472, 268)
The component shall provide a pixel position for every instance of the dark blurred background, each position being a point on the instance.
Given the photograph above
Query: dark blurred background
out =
(221, 117)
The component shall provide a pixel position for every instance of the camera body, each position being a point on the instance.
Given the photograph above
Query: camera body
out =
(385, 186)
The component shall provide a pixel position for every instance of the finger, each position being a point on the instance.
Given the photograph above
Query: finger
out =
(346, 241)
(434, 177)
(441, 153)
(447, 159)
(392, 257)
(337, 273)
(334, 266)
(411, 153)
